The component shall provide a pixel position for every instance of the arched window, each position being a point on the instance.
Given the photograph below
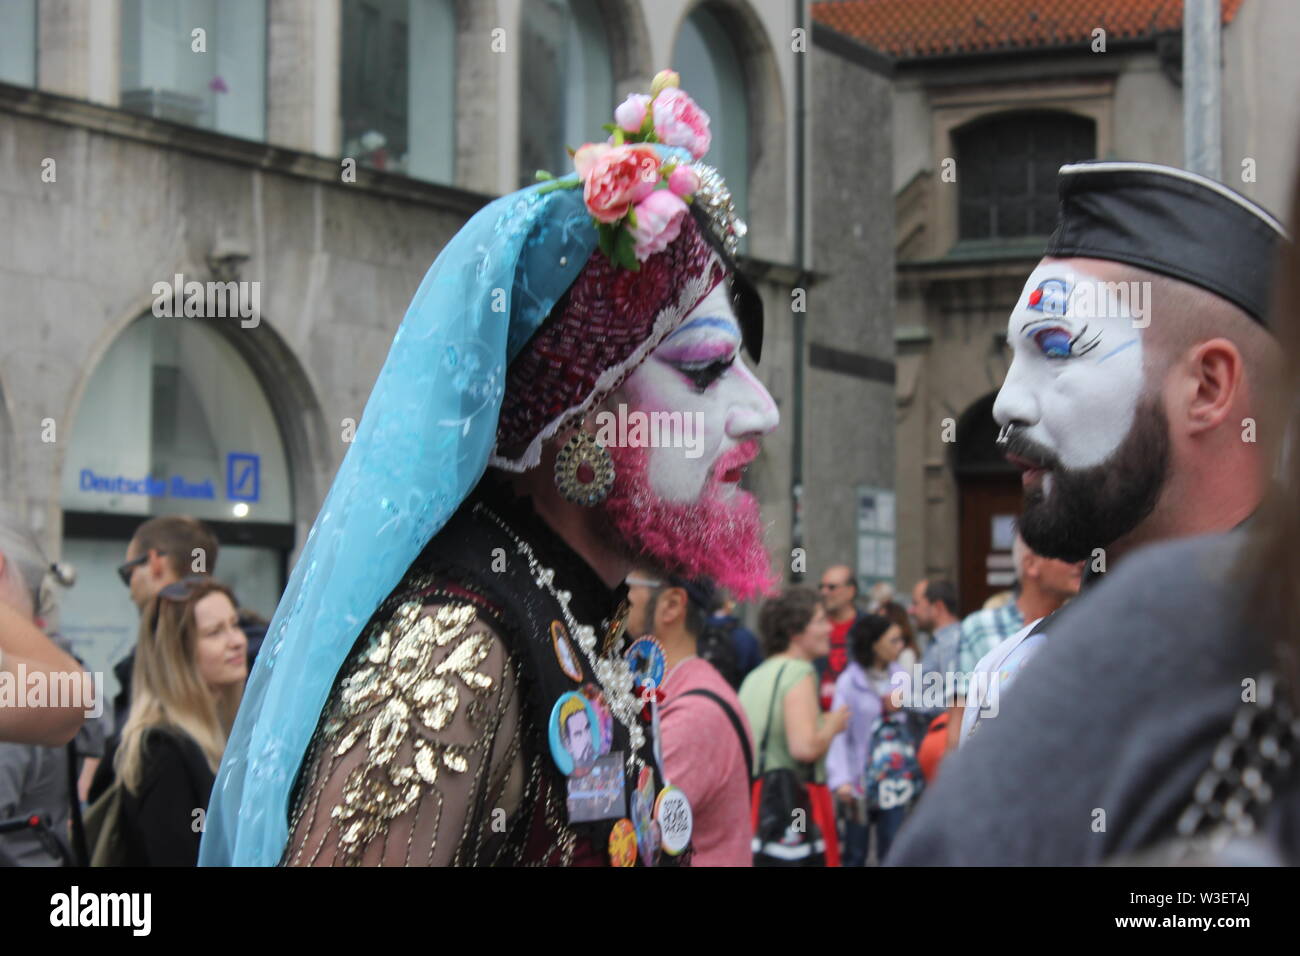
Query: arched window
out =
(18, 43)
(173, 421)
(566, 83)
(398, 86)
(215, 79)
(707, 59)
(1006, 171)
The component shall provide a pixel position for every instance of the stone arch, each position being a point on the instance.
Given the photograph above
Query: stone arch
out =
(768, 207)
(975, 452)
(629, 46)
(285, 382)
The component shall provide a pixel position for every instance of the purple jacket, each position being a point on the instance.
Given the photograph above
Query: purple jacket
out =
(846, 761)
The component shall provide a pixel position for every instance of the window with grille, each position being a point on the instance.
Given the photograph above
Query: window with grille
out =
(1006, 171)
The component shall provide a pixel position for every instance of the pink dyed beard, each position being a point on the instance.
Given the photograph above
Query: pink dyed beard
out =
(708, 538)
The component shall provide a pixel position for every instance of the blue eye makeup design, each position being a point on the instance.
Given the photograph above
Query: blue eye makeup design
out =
(1057, 342)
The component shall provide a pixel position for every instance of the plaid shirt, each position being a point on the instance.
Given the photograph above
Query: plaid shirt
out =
(981, 632)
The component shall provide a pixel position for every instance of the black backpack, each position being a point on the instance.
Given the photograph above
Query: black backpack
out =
(716, 646)
(785, 833)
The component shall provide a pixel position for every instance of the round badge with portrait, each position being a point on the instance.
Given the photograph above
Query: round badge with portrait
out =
(574, 733)
(646, 659)
(605, 719)
(673, 814)
(564, 651)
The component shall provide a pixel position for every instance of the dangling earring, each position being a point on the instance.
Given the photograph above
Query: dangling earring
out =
(584, 470)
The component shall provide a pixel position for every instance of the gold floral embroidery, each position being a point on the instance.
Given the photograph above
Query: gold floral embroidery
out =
(396, 694)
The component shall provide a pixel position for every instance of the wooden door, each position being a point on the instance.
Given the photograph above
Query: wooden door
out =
(988, 505)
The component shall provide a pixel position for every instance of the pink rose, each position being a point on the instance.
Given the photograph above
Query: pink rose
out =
(631, 112)
(620, 177)
(586, 157)
(683, 181)
(679, 122)
(658, 222)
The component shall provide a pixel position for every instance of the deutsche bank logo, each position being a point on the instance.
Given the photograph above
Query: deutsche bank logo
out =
(243, 476)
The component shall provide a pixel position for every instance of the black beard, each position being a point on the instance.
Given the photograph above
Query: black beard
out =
(1091, 508)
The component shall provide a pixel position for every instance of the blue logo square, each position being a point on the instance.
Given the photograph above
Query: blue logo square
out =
(243, 476)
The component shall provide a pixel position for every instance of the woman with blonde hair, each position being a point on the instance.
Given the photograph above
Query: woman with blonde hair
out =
(190, 667)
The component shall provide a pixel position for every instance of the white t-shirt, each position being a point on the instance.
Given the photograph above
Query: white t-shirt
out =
(994, 674)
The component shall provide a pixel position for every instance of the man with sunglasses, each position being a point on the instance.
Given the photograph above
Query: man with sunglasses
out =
(163, 551)
(839, 594)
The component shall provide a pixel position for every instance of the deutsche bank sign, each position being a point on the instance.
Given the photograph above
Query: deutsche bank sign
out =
(243, 482)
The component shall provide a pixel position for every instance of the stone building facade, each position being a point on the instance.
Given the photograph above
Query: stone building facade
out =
(127, 160)
(988, 101)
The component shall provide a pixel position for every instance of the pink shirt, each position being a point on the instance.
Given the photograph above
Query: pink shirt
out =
(702, 755)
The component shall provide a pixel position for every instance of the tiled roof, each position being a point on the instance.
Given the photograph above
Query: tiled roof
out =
(908, 29)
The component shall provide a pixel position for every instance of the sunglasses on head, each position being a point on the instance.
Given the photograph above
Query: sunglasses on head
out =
(177, 591)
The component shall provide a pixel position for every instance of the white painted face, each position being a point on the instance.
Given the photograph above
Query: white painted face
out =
(699, 371)
(1076, 372)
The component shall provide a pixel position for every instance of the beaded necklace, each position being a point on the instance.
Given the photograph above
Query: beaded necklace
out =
(611, 670)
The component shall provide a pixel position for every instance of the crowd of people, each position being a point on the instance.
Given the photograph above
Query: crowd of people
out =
(132, 787)
(813, 695)
(817, 694)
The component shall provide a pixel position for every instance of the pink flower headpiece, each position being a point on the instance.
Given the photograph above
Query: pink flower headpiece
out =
(637, 197)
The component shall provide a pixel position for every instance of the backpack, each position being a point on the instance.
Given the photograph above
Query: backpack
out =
(893, 773)
(105, 837)
(716, 647)
(785, 811)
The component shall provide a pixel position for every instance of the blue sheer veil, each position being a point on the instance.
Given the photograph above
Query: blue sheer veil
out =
(422, 445)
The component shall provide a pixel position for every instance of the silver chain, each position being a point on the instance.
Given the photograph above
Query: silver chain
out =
(611, 670)
(1231, 795)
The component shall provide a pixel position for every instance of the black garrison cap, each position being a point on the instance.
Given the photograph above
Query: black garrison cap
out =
(1173, 222)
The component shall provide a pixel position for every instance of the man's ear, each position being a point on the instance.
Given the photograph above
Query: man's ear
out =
(1215, 373)
(671, 606)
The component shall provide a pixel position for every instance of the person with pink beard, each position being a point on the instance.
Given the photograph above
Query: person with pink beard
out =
(707, 745)
(498, 603)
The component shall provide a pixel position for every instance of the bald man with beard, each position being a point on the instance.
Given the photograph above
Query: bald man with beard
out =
(1140, 364)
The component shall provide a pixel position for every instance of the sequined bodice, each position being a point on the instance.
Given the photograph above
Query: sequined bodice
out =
(431, 749)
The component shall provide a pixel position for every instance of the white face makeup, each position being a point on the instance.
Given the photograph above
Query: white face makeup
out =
(1076, 372)
(699, 372)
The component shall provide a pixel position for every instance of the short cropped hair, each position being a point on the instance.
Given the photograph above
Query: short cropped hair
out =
(177, 537)
(784, 616)
(942, 590)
